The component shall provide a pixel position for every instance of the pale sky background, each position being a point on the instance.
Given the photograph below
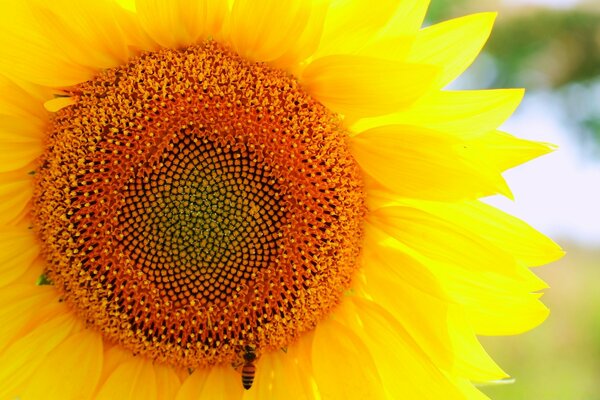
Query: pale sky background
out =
(550, 3)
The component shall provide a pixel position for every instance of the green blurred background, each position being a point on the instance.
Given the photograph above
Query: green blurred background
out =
(551, 48)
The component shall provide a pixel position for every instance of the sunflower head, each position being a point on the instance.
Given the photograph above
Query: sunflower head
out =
(179, 222)
(219, 195)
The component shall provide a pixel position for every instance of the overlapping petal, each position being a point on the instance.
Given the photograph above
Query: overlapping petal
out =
(415, 162)
(360, 86)
(27, 353)
(175, 24)
(69, 371)
(452, 45)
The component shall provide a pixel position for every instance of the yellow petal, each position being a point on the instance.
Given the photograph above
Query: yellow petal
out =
(519, 240)
(466, 113)
(19, 155)
(394, 48)
(266, 30)
(381, 256)
(503, 151)
(57, 104)
(407, 19)
(351, 24)
(342, 364)
(127, 4)
(437, 239)
(167, 381)
(23, 99)
(132, 380)
(406, 372)
(19, 361)
(16, 190)
(70, 371)
(180, 23)
(23, 307)
(470, 392)
(114, 355)
(358, 86)
(285, 371)
(21, 130)
(86, 32)
(18, 249)
(471, 359)
(26, 53)
(494, 304)
(421, 312)
(220, 382)
(452, 45)
(496, 298)
(192, 386)
(305, 45)
(415, 162)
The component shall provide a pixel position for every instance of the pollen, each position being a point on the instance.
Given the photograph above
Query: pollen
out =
(190, 203)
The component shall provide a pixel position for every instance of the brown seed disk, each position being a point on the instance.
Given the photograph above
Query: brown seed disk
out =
(192, 202)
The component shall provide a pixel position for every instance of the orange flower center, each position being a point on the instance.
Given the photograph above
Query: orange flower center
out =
(191, 203)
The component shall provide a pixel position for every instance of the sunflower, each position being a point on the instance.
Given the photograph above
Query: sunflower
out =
(200, 197)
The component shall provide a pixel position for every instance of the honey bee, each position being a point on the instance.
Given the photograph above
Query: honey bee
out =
(248, 369)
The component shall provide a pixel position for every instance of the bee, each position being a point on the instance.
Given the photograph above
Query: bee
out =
(248, 369)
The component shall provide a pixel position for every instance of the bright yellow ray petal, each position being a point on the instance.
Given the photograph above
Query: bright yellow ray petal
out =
(27, 54)
(18, 249)
(342, 364)
(114, 355)
(286, 371)
(303, 48)
(23, 309)
(18, 155)
(220, 382)
(452, 45)
(20, 361)
(502, 151)
(497, 307)
(58, 103)
(266, 30)
(406, 371)
(23, 99)
(471, 360)
(358, 86)
(127, 4)
(497, 302)
(407, 19)
(380, 256)
(437, 239)
(419, 163)
(528, 246)
(466, 113)
(131, 380)
(192, 385)
(167, 381)
(87, 32)
(28, 131)
(20, 142)
(175, 24)
(422, 314)
(351, 24)
(70, 371)
(32, 272)
(15, 193)
(470, 392)
(394, 48)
